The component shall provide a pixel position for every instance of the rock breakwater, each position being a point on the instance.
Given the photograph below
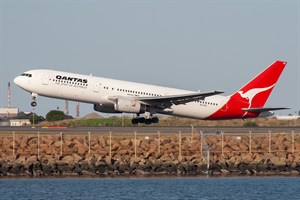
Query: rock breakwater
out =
(42, 154)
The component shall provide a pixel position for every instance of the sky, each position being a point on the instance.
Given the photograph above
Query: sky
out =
(194, 45)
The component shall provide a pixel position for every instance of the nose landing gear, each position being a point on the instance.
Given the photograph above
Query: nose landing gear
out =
(33, 102)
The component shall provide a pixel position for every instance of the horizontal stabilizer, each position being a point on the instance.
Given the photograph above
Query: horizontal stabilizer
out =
(259, 110)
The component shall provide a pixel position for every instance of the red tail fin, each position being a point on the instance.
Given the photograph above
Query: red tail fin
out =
(252, 95)
(257, 91)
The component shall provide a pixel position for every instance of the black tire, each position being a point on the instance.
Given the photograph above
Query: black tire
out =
(148, 121)
(142, 120)
(33, 104)
(155, 120)
(135, 121)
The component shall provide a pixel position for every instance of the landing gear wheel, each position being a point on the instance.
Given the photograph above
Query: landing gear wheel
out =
(135, 121)
(33, 101)
(155, 120)
(33, 104)
(148, 121)
(142, 120)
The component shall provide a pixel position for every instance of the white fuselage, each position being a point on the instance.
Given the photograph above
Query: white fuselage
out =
(116, 96)
(97, 90)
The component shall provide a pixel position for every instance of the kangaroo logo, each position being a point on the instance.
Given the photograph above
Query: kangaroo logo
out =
(133, 104)
(250, 94)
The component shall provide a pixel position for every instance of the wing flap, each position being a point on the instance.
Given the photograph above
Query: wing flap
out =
(167, 101)
(163, 102)
(182, 97)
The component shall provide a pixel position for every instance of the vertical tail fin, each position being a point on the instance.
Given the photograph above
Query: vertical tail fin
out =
(248, 101)
(257, 91)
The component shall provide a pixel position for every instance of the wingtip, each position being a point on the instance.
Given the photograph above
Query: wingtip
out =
(218, 91)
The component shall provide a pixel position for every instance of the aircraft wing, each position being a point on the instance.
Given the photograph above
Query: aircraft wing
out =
(259, 110)
(163, 102)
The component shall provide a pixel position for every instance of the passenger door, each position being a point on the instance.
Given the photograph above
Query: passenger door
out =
(96, 87)
(45, 79)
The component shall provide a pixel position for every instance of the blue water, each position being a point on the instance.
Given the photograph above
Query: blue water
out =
(152, 188)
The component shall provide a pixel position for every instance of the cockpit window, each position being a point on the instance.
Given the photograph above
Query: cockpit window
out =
(25, 74)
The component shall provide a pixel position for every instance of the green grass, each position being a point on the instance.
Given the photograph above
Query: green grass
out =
(100, 122)
(250, 124)
(173, 121)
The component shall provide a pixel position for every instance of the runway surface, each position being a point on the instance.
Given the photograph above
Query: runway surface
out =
(154, 129)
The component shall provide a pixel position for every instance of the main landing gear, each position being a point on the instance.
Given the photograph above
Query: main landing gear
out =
(33, 102)
(143, 120)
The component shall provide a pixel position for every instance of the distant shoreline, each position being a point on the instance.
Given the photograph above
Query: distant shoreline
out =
(149, 177)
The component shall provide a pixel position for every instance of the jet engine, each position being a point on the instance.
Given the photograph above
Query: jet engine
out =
(105, 108)
(129, 106)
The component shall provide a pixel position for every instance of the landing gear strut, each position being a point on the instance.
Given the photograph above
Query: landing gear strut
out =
(143, 120)
(33, 102)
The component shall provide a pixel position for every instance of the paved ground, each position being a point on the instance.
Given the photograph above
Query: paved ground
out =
(154, 129)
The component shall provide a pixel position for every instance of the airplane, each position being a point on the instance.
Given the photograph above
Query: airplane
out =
(117, 96)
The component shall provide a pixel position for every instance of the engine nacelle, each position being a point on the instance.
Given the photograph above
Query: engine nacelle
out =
(129, 106)
(105, 108)
(266, 114)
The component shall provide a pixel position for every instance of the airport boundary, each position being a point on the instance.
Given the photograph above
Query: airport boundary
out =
(199, 141)
(199, 152)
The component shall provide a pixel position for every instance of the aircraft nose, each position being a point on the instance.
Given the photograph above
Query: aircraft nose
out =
(17, 80)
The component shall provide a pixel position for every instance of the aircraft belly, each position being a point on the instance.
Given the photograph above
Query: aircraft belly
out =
(194, 110)
(65, 92)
